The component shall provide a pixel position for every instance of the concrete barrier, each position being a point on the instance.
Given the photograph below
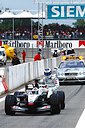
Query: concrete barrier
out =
(20, 74)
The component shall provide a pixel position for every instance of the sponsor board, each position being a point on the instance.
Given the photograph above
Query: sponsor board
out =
(54, 44)
(62, 44)
(20, 43)
(65, 11)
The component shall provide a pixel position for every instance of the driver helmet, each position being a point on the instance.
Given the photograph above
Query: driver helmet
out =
(47, 73)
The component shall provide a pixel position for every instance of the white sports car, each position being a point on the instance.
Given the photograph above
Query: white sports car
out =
(71, 71)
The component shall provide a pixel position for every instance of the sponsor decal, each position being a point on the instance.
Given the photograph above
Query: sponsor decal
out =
(58, 44)
(20, 43)
(40, 43)
(17, 44)
(81, 42)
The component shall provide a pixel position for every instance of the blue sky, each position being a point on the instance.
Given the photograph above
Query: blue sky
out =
(29, 5)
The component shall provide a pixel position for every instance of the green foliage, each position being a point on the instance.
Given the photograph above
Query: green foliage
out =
(79, 23)
(7, 24)
(22, 24)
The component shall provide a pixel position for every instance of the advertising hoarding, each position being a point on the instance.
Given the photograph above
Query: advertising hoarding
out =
(66, 11)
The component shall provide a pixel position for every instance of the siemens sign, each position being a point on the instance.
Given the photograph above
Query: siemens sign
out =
(65, 11)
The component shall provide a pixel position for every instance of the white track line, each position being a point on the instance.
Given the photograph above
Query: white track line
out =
(81, 121)
(2, 99)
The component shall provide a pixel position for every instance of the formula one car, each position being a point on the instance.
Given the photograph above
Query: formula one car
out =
(46, 97)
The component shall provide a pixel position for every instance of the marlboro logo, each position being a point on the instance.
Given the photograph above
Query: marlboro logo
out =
(81, 42)
(40, 43)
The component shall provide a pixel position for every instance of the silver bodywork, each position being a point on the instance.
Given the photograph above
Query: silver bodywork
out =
(33, 93)
(70, 71)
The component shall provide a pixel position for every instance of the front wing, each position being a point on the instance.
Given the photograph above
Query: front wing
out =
(25, 109)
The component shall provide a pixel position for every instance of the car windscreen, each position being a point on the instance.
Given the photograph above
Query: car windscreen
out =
(72, 64)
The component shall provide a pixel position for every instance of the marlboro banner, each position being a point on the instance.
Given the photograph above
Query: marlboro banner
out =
(59, 44)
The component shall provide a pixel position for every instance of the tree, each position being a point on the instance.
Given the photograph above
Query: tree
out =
(79, 23)
(23, 24)
(6, 24)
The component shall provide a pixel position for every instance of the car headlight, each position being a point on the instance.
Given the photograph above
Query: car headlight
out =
(81, 73)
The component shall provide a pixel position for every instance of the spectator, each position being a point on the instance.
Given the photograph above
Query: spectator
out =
(15, 60)
(37, 56)
(55, 54)
(23, 56)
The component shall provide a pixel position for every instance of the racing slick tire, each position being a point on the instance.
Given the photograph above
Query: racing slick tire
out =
(62, 98)
(10, 101)
(55, 104)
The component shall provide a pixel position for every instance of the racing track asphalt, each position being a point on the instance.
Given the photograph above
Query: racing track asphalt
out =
(68, 118)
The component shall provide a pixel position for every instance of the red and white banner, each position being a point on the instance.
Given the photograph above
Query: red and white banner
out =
(45, 43)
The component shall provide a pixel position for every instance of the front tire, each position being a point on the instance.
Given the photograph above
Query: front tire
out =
(10, 101)
(55, 104)
(62, 98)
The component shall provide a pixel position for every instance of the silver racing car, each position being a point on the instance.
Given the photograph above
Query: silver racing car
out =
(42, 98)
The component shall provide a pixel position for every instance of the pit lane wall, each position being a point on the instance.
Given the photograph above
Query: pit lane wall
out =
(20, 74)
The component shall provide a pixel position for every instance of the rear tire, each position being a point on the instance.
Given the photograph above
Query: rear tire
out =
(10, 101)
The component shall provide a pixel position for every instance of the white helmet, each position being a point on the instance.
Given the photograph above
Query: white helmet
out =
(47, 73)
